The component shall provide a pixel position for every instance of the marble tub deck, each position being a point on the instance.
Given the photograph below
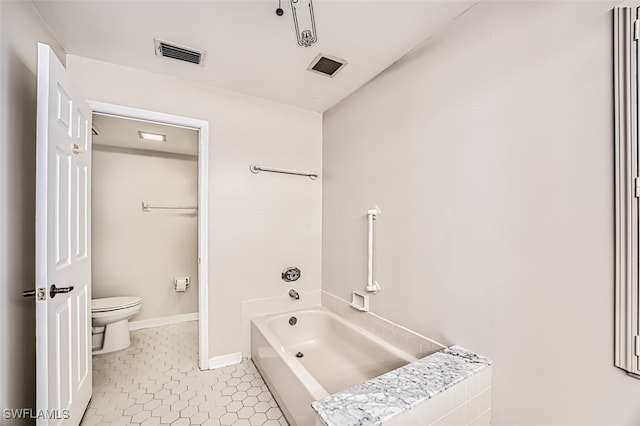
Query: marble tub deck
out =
(377, 400)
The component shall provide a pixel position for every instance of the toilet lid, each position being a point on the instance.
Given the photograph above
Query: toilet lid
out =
(113, 303)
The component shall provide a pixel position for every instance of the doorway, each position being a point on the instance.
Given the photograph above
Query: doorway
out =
(167, 212)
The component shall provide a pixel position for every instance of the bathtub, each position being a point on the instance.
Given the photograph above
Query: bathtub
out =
(332, 355)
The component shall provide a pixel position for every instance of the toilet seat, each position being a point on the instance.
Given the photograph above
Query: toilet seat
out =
(110, 304)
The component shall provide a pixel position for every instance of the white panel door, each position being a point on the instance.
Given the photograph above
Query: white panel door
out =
(63, 246)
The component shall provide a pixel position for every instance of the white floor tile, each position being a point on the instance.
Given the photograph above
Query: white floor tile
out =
(156, 381)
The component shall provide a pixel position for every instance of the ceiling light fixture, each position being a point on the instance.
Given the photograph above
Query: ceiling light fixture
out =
(148, 136)
(307, 36)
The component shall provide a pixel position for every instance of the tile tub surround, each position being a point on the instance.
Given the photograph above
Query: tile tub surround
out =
(379, 400)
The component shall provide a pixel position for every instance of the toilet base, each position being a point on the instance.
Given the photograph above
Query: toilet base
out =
(115, 338)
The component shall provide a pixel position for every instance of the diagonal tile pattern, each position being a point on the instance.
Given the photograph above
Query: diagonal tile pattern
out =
(156, 381)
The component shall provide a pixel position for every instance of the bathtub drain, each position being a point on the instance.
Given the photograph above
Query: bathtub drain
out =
(299, 355)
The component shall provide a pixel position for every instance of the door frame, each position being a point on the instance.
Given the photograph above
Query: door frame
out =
(203, 205)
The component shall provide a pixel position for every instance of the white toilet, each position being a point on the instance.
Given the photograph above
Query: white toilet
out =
(110, 321)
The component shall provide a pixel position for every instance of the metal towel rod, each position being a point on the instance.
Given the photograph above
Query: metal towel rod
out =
(255, 168)
(147, 207)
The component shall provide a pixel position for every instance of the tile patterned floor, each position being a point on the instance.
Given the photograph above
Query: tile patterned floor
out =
(156, 381)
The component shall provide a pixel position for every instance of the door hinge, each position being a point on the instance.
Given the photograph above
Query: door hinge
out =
(636, 184)
(637, 345)
(636, 29)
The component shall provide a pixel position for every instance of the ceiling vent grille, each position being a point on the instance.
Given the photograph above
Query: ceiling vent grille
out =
(180, 53)
(326, 65)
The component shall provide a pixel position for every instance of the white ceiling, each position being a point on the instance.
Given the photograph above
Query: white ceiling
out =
(123, 133)
(249, 49)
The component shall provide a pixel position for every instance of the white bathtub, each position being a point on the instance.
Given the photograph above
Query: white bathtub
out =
(337, 355)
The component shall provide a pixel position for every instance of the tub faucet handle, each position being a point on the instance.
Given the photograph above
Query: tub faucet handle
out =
(294, 294)
(290, 274)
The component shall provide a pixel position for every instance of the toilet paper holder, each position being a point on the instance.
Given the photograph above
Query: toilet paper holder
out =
(181, 284)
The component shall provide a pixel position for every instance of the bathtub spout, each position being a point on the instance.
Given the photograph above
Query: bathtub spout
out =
(294, 294)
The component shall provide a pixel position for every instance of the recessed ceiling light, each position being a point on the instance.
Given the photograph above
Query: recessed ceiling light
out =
(157, 137)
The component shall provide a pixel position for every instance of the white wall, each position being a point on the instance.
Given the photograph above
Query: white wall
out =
(258, 224)
(21, 28)
(489, 150)
(138, 253)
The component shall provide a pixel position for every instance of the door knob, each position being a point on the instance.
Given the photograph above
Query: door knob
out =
(53, 290)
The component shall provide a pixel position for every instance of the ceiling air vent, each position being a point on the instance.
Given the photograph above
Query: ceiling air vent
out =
(181, 53)
(326, 65)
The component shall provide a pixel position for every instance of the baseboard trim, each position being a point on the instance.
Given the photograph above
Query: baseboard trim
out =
(158, 322)
(225, 360)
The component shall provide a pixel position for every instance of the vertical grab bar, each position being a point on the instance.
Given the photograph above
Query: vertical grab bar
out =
(372, 286)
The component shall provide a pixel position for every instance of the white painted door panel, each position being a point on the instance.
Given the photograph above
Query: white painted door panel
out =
(63, 249)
